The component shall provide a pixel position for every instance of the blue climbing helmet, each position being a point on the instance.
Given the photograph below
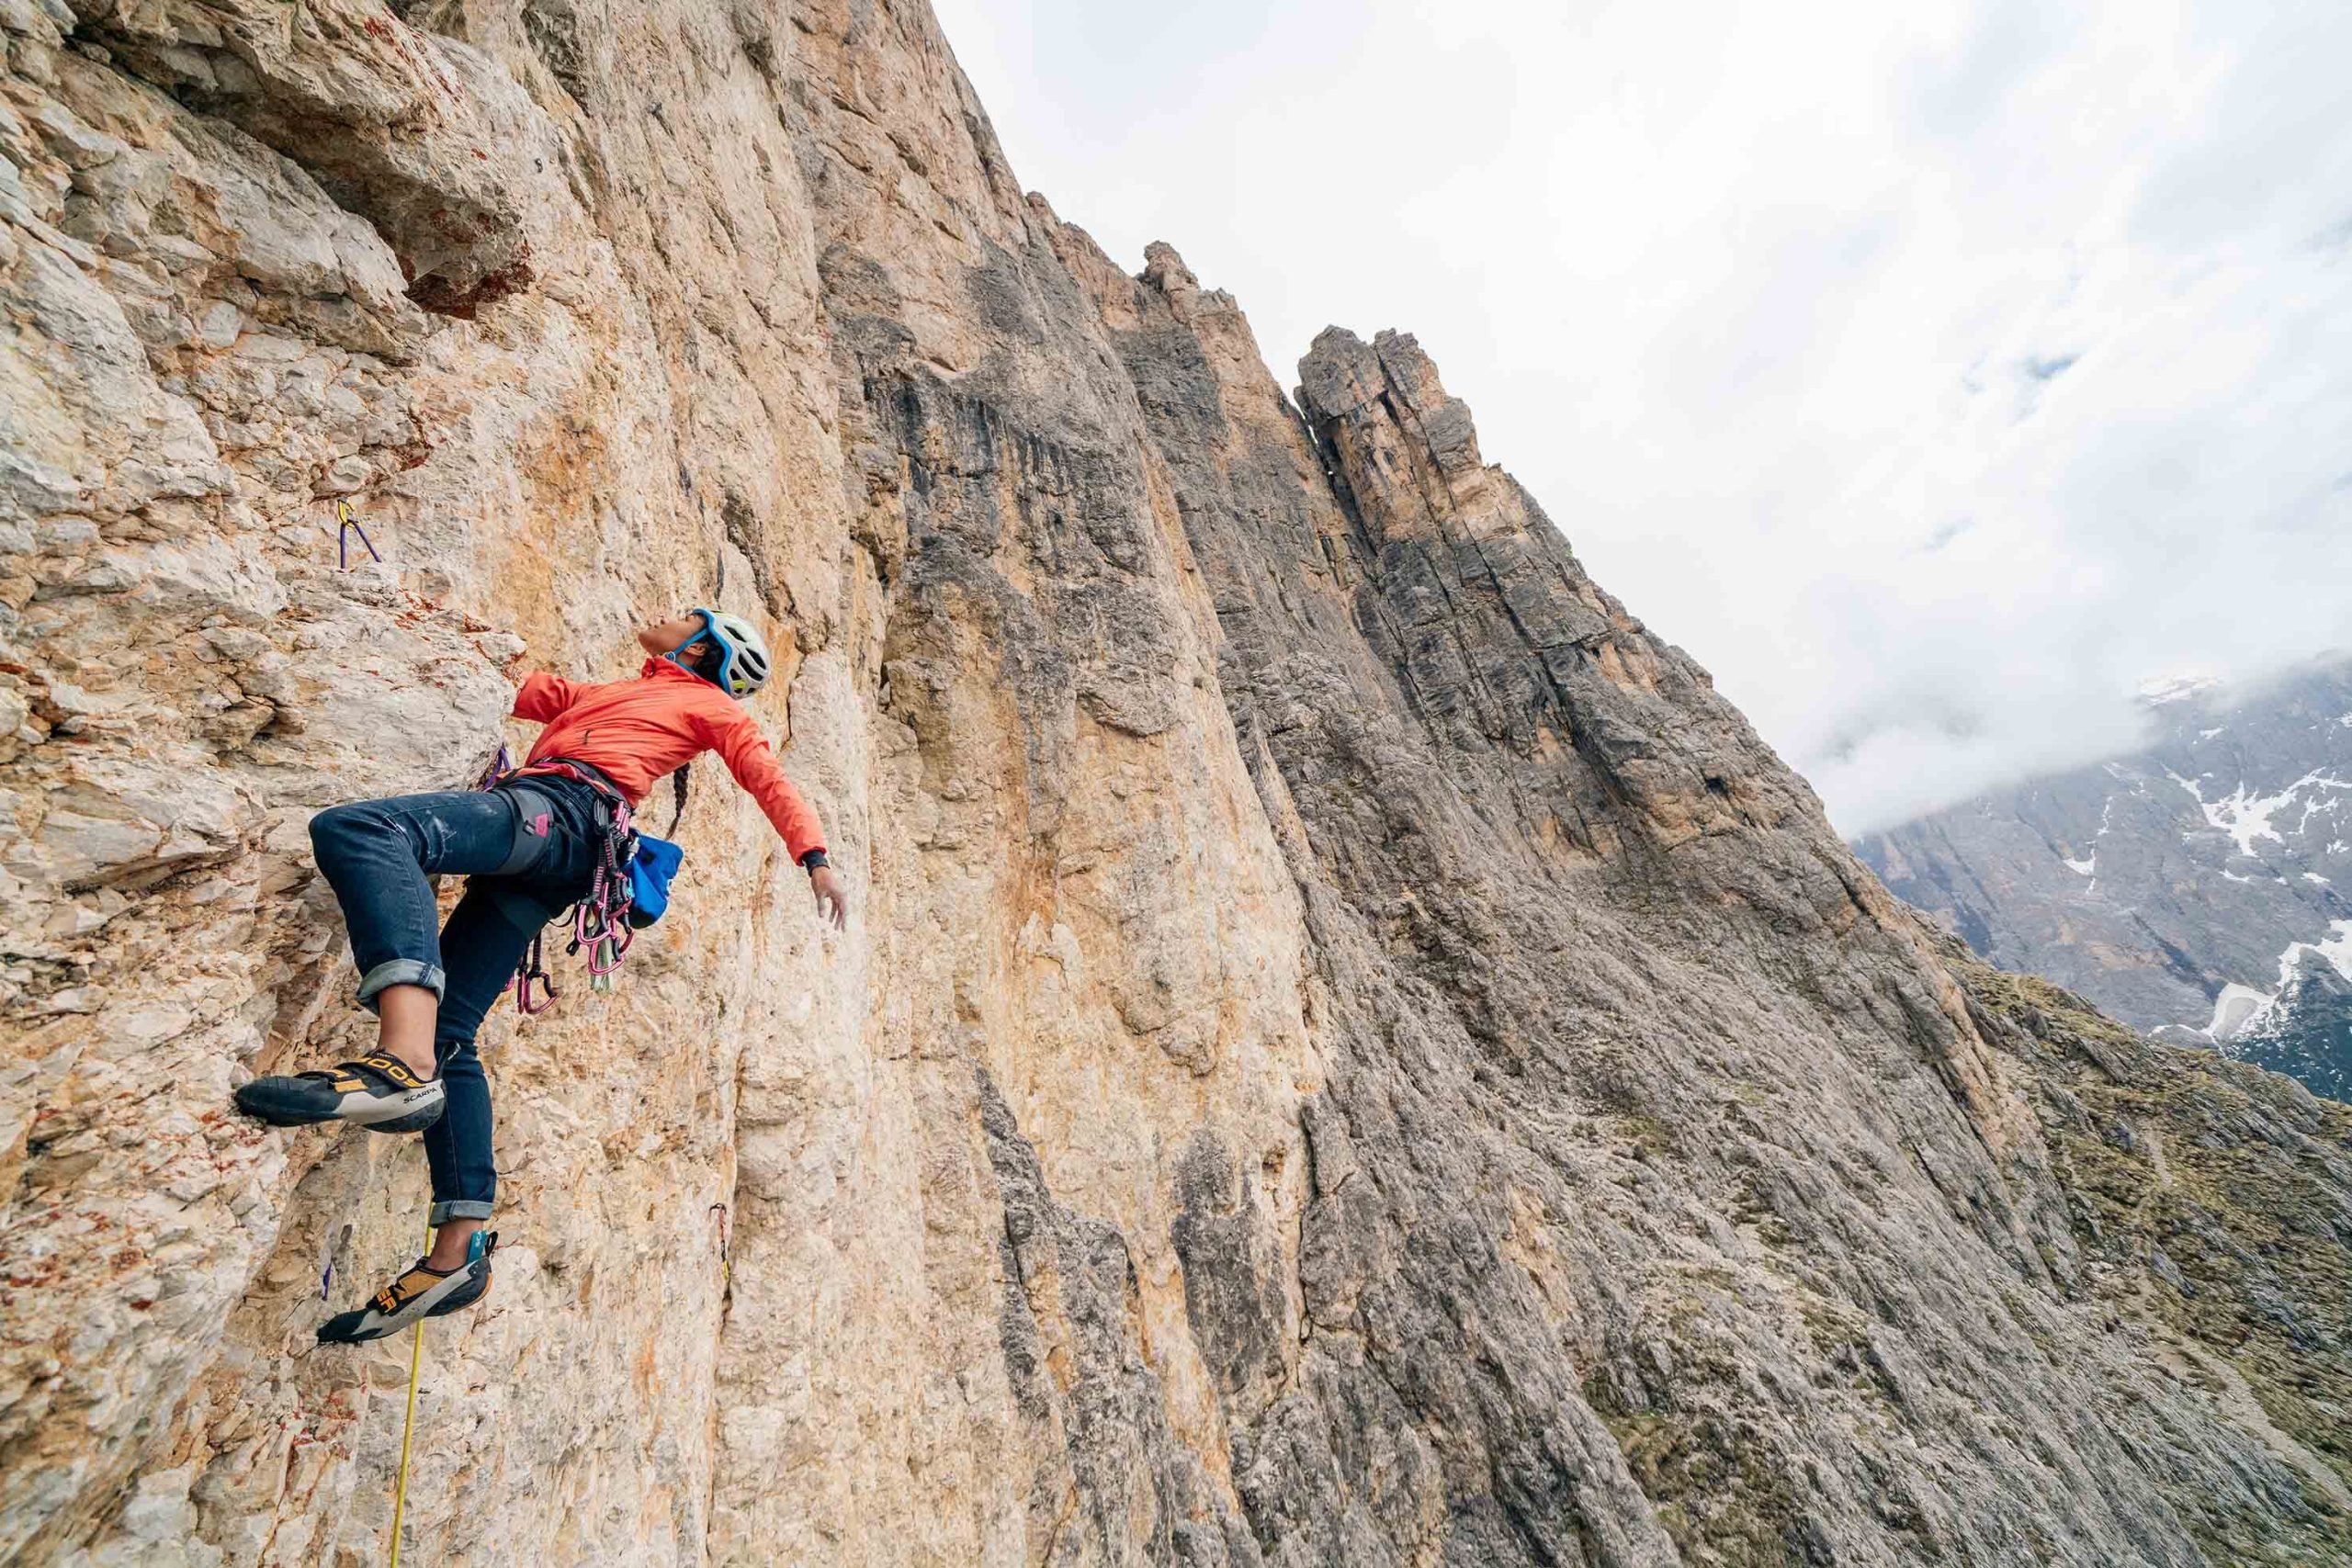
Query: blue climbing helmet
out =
(742, 652)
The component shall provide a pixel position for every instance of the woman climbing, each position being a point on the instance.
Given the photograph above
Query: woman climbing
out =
(530, 847)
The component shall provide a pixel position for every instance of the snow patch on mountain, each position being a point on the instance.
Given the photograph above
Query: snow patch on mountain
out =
(2168, 689)
(2240, 1010)
(2235, 1007)
(2337, 947)
(2246, 816)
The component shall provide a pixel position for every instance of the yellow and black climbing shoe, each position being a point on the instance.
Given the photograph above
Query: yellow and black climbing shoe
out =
(420, 1294)
(377, 1091)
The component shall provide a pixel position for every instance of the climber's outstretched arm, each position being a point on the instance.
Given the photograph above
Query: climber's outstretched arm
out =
(748, 757)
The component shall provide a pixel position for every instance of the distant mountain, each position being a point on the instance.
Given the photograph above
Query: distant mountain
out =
(2201, 888)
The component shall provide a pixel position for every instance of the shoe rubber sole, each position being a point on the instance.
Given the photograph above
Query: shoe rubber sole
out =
(303, 1102)
(458, 1292)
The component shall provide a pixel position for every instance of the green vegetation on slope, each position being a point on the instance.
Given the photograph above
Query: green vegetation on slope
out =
(2210, 1202)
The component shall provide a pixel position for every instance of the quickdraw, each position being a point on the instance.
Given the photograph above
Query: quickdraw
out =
(500, 766)
(533, 972)
(600, 921)
(346, 524)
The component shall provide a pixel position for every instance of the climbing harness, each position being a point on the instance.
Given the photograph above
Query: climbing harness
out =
(601, 922)
(532, 972)
(347, 524)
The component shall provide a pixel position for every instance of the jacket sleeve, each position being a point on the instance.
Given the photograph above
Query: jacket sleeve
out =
(544, 696)
(747, 755)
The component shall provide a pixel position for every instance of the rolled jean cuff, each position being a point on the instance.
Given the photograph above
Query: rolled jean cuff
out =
(401, 972)
(458, 1209)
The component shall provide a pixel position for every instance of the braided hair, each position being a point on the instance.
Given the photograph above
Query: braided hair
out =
(706, 667)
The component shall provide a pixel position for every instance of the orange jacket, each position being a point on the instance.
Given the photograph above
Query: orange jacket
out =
(638, 730)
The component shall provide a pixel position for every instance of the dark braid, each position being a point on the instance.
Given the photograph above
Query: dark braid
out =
(705, 664)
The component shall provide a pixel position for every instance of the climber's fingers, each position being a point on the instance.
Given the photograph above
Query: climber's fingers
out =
(833, 903)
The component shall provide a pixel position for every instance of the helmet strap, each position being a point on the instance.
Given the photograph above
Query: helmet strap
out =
(716, 677)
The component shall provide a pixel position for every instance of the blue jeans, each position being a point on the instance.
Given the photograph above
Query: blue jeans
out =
(529, 849)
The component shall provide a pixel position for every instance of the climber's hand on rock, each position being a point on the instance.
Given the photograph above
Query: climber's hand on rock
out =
(832, 904)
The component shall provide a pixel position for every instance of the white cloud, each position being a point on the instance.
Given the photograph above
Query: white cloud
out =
(1936, 374)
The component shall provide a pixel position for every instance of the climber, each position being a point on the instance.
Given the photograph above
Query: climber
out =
(529, 846)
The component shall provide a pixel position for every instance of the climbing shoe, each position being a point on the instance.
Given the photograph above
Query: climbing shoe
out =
(377, 1091)
(420, 1294)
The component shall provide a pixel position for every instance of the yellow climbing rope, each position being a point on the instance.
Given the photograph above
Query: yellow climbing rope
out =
(407, 1424)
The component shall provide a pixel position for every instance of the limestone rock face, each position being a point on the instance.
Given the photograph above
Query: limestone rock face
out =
(1348, 1052)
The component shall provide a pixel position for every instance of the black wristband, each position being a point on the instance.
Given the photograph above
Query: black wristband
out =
(814, 859)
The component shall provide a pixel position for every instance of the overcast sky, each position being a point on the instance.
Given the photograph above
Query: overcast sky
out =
(1935, 373)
